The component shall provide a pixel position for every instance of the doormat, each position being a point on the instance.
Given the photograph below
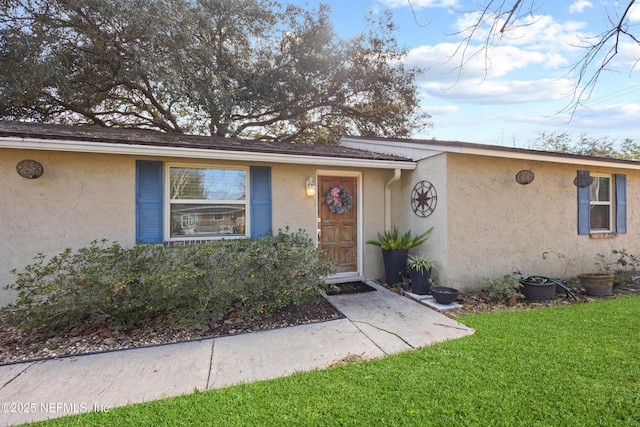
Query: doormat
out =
(349, 288)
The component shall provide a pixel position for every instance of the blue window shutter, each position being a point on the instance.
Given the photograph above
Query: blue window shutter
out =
(148, 202)
(584, 226)
(260, 182)
(621, 203)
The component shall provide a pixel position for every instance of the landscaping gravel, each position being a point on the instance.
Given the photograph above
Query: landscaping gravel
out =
(17, 345)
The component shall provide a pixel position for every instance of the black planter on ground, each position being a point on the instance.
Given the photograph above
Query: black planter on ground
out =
(444, 295)
(538, 289)
(395, 265)
(420, 281)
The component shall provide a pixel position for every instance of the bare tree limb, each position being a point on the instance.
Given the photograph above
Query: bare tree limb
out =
(606, 46)
(499, 17)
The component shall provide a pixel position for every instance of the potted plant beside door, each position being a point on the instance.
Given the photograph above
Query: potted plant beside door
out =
(395, 251)
(420, 273)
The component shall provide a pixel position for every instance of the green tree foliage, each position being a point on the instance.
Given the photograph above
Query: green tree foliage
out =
(587, 146)
(232, 68)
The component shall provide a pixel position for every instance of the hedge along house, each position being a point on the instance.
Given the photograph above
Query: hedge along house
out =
(496, 209)
(66, 186)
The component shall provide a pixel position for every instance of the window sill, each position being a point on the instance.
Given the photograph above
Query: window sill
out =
(603, 235)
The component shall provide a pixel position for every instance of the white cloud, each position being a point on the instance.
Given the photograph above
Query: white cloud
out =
(443, 65)
(616, 120)
(627, 57)
(540, 31)
(634, 13)
(439, 110)
(487, 124)
(502, 91)
(606, 113)
(578, 6)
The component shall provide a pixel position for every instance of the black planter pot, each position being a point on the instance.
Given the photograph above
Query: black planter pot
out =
(395, 265)
(420, 281)
(534, 291)
(444, 295)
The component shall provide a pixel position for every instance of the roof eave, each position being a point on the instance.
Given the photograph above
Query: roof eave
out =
(196, 153)
(552, 157)
(435, 146)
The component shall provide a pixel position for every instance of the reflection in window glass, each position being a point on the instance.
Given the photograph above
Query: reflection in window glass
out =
(600, 218)
(207, 184)
(600, 189)
(601, 208)
(207, 202)
(207, 220)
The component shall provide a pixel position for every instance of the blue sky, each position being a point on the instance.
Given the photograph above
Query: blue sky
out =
(526, 84)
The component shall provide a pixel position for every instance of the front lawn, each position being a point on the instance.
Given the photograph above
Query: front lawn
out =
(577, 365)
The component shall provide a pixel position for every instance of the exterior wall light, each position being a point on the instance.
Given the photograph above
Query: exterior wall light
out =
(310, 187)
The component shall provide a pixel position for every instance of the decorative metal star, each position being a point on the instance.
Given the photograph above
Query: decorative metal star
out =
(423, 198)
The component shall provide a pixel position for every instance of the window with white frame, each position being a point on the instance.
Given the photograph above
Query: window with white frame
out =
(601, 204)
(207, 202)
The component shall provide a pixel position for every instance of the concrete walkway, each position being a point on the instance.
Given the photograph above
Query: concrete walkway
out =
(377, 324)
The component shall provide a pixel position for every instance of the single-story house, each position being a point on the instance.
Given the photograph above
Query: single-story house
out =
(494, 209)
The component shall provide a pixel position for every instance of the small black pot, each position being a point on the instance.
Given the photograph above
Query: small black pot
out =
(444, 295)
(420, 281)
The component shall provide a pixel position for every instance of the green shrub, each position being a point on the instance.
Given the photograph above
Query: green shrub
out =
(624, 266)
(208, 281)
(191, 284)
(500, 291)
(95, 283)
(265, 275)
(285, 269)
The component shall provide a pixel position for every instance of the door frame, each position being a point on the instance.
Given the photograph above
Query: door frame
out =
(359, 218)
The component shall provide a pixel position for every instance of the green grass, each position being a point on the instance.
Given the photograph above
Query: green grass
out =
(577, 365)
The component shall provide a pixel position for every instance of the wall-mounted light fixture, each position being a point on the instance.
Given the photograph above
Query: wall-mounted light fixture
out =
(310, 187)
(29, 169)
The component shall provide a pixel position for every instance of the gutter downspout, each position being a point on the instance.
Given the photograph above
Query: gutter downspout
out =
(387, 199)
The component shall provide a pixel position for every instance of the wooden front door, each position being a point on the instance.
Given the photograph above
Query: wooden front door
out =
(338, 232)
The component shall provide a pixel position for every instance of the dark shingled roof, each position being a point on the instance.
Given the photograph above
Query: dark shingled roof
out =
(161, 139)
(430, 143)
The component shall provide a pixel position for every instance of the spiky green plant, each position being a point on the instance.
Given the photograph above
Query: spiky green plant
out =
(390, 241)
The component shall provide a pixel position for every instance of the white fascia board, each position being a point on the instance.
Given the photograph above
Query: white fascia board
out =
(366, 144)
(196, 153)
(569, 160)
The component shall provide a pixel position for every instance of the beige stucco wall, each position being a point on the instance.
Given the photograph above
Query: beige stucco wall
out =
(433, 170)
(496, 226)
(79, 198)
(373, 209)
(82, 197)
